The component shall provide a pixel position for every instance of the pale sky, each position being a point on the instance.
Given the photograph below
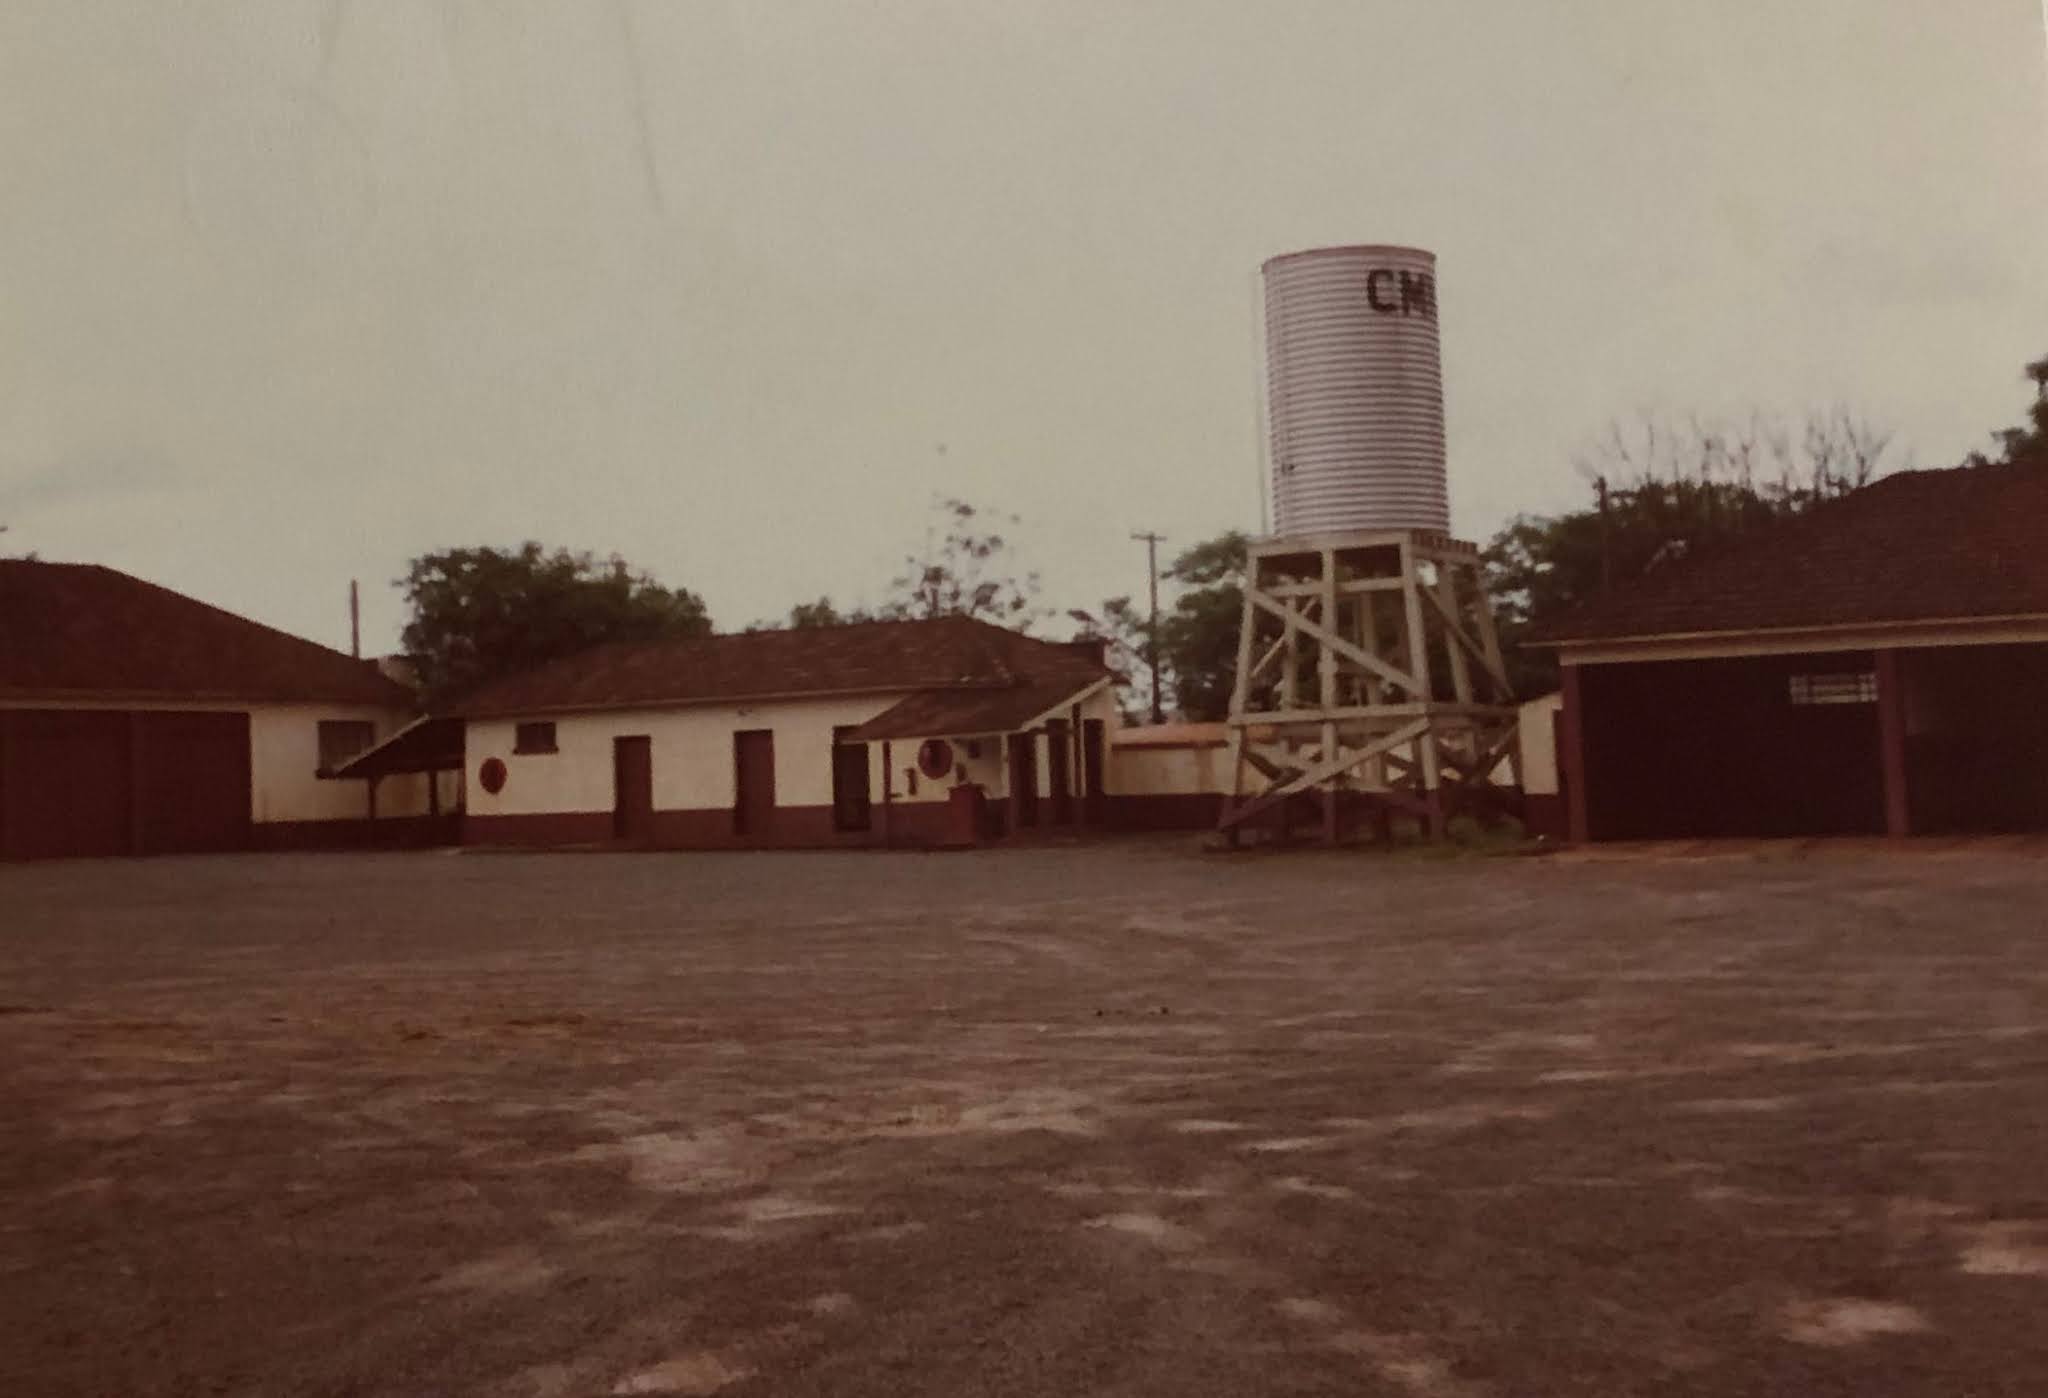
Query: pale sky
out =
(291, 290)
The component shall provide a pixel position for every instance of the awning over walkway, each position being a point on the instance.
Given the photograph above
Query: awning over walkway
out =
(969, 713)
(424, 745)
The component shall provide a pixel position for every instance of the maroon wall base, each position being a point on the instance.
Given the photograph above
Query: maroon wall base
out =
(392, 832)
(1544, 813)
(1196, 810)
(909, 825)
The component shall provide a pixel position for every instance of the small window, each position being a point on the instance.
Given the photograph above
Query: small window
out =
(534, 737)
(1858, 688)
(852, 801)
(343, 738)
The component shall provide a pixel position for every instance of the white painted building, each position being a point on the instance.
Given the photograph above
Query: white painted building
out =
(944, 731)
(137, 720)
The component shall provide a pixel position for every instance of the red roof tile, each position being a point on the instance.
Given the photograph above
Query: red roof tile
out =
(1919, 546)
(944, 654)
(78, 630)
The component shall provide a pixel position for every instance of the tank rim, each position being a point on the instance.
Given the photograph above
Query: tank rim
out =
(1271, 262)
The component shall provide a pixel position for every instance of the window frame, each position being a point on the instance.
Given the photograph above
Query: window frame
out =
(325, 759)
(534, 738)
(1818, 690)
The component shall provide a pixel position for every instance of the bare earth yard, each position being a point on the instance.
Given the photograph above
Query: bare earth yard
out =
(1099, 1121)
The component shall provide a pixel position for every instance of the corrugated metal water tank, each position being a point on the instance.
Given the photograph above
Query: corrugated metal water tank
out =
(1354, 381)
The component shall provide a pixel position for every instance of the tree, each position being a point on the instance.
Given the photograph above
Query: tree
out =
(1664, 491)
(1198, 635)
(965, 568)
(823, 613)
(1127, 630)
(2026, 445)
(480, 613)
(810, 615)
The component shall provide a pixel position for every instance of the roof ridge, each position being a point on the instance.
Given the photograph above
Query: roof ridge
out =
(101, 630)
(1838, 563)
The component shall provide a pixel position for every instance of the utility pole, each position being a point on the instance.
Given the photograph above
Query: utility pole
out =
(355, 621)
(1152, 542)
(1606, 548)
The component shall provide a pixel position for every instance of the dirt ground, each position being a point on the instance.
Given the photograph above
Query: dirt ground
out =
(1127, 1120)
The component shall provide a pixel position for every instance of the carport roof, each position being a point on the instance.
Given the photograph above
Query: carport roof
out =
(424, 745)
(970, 713)
(82, 631)
(959, 656)
(1965, 544)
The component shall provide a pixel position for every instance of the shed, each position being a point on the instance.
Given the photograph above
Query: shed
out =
(136, 720)
(818, 736)
(1876, 665)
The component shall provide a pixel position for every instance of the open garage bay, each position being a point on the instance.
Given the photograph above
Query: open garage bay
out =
(1104, 1121)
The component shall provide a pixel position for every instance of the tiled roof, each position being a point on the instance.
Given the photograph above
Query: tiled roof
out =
(943, 654)
(78, 630)
(1919, 546)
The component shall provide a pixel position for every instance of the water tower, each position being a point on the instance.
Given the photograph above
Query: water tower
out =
(1368, 671)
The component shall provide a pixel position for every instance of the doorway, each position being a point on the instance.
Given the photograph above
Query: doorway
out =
(753, 762)
(1092, 791)
(1023, 781)
(632, 789)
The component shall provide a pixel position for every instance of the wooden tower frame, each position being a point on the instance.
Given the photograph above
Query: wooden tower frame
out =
(1369, 660)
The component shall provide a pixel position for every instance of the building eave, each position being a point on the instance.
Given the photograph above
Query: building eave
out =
(2020, 628)
(1079, 696)
(114, 698)
(709, 701)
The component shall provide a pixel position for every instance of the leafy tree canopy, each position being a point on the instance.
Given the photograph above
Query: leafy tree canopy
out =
(1197, 631)
(480, 613)
(966, 568)
(2027, 444)
(1198, 635)
(1665, 490)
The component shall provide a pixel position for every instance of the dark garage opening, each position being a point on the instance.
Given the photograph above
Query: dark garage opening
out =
(80, 782)
(1755, 746)
(1977, 738)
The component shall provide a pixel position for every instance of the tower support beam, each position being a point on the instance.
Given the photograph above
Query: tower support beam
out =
(1397, 707)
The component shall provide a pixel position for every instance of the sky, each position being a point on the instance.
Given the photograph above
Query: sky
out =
(292, 291)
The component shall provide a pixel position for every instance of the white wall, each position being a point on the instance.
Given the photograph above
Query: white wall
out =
(1539, 744)
(691, 751)
(1164, 771)
(1137, 769)
(284, 751)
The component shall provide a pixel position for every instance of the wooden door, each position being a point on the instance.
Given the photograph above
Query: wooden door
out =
(1059, 753)
(191, 781)
(632, 788)
(68, 784)
(753, 807)
(1023, 781)
(1092, 757)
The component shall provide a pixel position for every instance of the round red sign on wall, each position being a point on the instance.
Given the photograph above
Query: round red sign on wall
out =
(935, 757)
(491, 776)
